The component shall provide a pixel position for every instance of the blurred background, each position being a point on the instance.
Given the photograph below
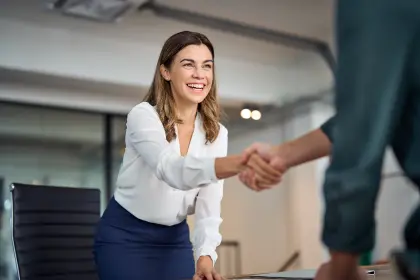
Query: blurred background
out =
(70, 70)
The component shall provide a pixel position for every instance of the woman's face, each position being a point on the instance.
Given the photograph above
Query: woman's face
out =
(191, 74)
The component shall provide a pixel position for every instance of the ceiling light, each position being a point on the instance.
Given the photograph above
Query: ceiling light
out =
(246, 113)
(256, 115)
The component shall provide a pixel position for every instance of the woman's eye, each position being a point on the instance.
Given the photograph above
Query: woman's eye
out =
(208, 66)
(188, 65)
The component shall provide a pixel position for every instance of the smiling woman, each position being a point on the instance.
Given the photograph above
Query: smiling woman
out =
(174, 165)
(185, 75)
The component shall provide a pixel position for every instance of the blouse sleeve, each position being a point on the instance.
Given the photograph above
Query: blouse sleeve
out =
(206, 237)
(145, 133)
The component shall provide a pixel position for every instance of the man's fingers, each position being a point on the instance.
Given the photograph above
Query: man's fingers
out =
(267, 167)
(246, 154)
(279, 164)
(209, 276)
(251, 149)
(196, 277)
(263, 150)
(267, 174)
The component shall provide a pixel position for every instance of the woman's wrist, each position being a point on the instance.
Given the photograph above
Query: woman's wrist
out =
(229, 166)
(237, 163)
(205, 260)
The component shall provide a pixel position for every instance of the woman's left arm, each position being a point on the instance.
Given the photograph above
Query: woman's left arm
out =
(206, 235)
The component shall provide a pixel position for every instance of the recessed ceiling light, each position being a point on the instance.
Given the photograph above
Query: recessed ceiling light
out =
(246, 113)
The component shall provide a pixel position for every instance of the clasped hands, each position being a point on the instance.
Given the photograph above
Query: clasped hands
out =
(263, 167)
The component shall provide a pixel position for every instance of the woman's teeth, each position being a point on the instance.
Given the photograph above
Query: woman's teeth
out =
(196, 86)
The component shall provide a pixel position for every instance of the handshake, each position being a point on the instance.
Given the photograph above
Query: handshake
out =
(262, 166)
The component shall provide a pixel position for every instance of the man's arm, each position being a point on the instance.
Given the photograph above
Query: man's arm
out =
(311, 146)
(370, 99)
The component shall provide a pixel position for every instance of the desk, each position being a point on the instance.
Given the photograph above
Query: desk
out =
(382, 272)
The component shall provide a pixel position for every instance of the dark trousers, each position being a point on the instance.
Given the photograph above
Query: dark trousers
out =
(131, 249)
(378, 105)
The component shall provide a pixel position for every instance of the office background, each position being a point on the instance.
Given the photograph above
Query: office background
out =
(67, 83)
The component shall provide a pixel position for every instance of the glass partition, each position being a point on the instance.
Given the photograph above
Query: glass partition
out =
(46, 146)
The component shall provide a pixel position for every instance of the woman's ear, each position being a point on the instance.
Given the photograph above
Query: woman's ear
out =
(165, 73)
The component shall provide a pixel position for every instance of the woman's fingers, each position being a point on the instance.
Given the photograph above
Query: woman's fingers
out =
(247, 177)
(252, 181)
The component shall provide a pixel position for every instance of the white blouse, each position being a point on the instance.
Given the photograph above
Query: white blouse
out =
(158, 185)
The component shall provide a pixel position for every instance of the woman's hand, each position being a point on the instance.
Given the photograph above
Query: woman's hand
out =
(264, 167)
(205, 270)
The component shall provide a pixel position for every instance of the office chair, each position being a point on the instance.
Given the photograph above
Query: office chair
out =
(53, 231)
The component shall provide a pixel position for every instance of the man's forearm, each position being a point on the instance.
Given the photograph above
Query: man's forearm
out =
(308, 147)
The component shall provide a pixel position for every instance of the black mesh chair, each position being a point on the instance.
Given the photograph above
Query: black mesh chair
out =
(53, 231)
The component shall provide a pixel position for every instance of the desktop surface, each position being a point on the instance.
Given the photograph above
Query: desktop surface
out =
(380, 273)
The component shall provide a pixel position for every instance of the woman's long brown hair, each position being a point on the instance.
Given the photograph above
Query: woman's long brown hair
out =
(160, 94)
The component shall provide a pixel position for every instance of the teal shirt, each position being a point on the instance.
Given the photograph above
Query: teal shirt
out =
(327, 128)
(377, 105)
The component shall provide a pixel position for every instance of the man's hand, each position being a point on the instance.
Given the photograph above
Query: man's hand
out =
(343, 266)
(205, 270)
(325, 272)
(265, 167)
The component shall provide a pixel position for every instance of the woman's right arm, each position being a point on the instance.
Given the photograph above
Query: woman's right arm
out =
(147, 136)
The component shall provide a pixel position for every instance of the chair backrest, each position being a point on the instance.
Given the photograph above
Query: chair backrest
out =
(53, 231)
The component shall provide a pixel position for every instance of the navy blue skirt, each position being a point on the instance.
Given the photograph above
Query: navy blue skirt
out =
(132, 249)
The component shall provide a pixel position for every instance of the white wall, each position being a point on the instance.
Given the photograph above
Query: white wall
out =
(397, 198)
(259, 221)
(306, 205)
